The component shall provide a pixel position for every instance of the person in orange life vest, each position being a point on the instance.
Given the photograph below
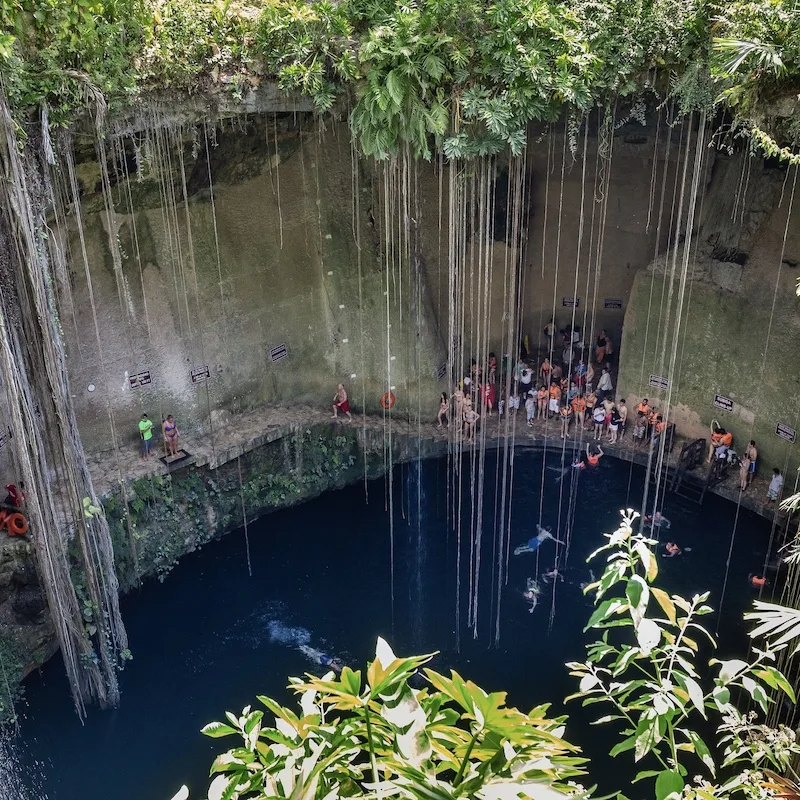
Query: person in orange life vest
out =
(643, 407)
(717, 432)
(672, 550)
(555, 398)
(757, 581)
(593, 457)
(579, 409)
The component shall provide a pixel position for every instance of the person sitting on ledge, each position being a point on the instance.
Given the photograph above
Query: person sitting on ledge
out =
(170, 431)
(341, 403)
(15, 497)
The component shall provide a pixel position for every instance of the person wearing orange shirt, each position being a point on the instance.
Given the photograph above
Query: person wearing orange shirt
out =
(555, 398)
(579, 409)
(643, 407)
(593, 456)
(717, 432)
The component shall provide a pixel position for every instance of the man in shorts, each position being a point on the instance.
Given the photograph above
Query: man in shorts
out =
(146, 434)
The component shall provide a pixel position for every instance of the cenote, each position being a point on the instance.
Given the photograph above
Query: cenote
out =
(211, 637)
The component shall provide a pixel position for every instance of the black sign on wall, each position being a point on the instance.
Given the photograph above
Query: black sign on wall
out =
(442, 371)
(725, 403)
(659, 382)
(785, 432)
(277, 353)
(571, 302)
(612, 302)
(201, 375)
(140, 379)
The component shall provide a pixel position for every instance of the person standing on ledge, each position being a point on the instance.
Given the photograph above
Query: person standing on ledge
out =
(341, 403)
(170, 431)
(752, 453)
(775, 486)
(146, 434)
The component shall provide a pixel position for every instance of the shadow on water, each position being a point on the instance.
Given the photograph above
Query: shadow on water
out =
(210, 638)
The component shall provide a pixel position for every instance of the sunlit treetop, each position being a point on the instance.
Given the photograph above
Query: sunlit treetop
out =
(465, 76)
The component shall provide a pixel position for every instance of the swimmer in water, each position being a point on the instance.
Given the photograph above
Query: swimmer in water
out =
(532, 545)
(322, 659)
(672, 550)
(757, 581)
(658, 520)
(531, 593)
(552, 575)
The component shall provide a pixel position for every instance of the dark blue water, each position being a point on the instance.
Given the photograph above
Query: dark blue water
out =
(211, 637)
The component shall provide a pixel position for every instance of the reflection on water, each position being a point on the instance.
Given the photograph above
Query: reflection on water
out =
(210, 638)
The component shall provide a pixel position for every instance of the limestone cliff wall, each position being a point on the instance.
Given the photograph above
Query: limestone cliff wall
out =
(740, 331)
(274, 248)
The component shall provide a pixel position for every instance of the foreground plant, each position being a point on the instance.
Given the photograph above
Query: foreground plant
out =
(656, 691)
(375, 736)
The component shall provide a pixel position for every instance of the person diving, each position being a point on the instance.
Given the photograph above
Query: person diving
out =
(533, 544)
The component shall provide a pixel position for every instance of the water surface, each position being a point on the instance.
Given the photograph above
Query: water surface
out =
(211, 636)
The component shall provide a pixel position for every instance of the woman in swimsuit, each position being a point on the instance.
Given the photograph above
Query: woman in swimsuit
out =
(444, 411)
(471, 418)
(170, 431)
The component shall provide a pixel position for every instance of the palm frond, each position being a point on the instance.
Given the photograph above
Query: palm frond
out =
(776, 621)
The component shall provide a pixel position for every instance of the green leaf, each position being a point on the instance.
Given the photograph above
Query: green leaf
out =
(646, 740)
(756, 691)
(648, 561)
(638, 594)
(721, 697)
(646, 773)
(217, 729)
(623, 746)
(775, 679)
(695, 692)
(664, 600)
(730, 669)
(668, 784)
(605, 610)
(702, 750)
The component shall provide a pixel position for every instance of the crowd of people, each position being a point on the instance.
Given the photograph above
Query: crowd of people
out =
(575, 391)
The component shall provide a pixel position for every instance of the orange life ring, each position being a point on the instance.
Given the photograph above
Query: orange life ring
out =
(17, 525)
(388, 400)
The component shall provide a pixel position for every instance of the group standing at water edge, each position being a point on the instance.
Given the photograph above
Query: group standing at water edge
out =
(577, 391)
(570, 390)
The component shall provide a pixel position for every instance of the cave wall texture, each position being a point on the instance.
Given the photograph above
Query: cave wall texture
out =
(282, 243)
(739, 335)
(287, 248)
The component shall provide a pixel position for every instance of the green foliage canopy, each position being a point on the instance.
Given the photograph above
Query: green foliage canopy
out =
(463, 75)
